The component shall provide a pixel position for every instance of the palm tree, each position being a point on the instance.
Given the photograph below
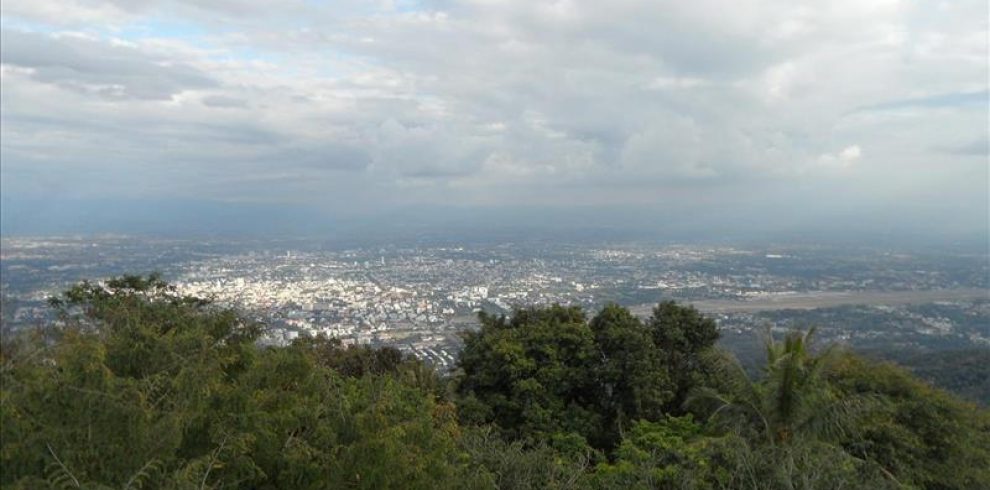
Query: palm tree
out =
(793, 399)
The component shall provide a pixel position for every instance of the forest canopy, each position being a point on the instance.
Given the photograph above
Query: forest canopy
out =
(137, 386)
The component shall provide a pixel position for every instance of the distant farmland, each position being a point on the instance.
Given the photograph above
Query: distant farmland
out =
(826, 299)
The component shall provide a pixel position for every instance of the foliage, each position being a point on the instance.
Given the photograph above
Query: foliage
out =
(682, 336)
(965, 372)
(549, 371)
(631, 379)
(514, 465)
(666, 454)
(531, 374)
(139, 387)
(793, 399)
(144, 388)
(923, 435)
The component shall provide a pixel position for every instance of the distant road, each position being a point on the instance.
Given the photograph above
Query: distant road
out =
(825, 299)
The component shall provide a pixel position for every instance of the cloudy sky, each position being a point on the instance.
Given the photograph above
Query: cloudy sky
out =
(851, 113)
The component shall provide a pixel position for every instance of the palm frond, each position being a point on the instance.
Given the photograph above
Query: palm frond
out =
(143, 475)
(58, 473)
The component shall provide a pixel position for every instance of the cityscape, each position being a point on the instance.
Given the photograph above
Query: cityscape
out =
(419, 299)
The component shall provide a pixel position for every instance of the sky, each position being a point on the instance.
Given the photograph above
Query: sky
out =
(848, 116)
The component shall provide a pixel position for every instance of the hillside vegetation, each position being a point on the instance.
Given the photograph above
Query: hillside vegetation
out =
(139, 387)
(965, 372)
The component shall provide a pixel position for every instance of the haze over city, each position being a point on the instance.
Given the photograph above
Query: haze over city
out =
(711, 118)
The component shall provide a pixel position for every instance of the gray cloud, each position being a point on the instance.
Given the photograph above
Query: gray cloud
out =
(95, 67)
(978, 99)
(696, 105)
(223, 101)
(979, 148)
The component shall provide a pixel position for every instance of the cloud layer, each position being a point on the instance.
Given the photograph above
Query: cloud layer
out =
(834, 108)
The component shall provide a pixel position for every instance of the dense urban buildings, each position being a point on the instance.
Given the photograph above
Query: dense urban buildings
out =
(419, 298)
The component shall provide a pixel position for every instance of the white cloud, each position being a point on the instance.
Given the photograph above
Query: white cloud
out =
(844, 159)
(850, 153)
(570, 101)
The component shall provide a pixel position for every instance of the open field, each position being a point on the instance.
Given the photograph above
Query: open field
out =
(808, 301)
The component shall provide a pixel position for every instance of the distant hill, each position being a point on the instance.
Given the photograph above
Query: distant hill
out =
(965, 372)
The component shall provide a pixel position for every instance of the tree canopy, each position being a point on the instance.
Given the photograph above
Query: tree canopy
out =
(548, 372)
(137, 386)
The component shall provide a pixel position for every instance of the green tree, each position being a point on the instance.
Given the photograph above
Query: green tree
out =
(670, 453)
(921, 435)
(108, 395)
(546, 371)
(137, 386)
(631, 380)
(531, 374)
(515, 465)
(145, 388)
(683, 336)
(793, 399)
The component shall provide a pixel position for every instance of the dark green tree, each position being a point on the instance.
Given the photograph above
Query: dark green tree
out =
(631, 379)
(682, 335)
(546, 371)
(531, 374)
